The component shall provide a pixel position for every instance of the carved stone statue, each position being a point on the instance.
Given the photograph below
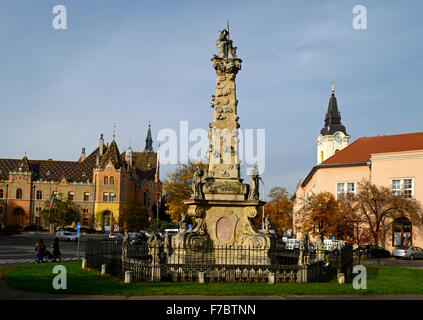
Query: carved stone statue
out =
(155, 247)
(197, 184)
(199, 225)
(183, 223)
(167, 244)
(254, 184)
(267, 224)
(125, 244)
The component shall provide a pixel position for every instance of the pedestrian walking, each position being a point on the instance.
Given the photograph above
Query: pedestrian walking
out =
(56, 250)
(39, 250)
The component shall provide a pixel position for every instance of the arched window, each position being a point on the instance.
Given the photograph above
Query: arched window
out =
(336, 151)
(402, 232)
(106, 180)
(19, 193)
(1, 194)
(112, 180)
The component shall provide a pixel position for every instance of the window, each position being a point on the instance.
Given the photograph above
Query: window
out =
(402, 232)
(86, 196)
(112, 197)
(321, 156)
(105, 197)
(112, 180)
(39, 195)
(1, 194)
(85, 211)
(345, 189)
(19, 193)
(38, 210)
(403, 186)
(70, 195)
(85, 222)
(106, 180)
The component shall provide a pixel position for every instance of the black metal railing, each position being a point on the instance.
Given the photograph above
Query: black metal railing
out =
(219, 263)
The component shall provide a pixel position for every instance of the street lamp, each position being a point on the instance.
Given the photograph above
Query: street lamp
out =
(264, 198)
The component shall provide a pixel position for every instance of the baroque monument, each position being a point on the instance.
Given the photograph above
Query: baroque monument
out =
(221, 205)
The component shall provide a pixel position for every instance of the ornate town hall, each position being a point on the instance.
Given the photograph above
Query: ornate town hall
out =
(98, 182)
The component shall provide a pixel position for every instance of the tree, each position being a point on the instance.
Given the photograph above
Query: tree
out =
(376, 207)
(133, 216)
(63, 212)
(320, 215)
(279, 209)
(178, 188)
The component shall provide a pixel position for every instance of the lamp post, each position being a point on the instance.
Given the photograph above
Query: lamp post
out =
(157, 214)
(264, 198)
(5, 206)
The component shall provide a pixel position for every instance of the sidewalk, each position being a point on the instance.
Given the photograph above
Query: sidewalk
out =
(12, 294)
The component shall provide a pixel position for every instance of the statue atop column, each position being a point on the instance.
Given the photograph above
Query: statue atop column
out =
(254, 184)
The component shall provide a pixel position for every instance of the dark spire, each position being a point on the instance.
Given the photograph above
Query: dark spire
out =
(333, 117)
(149, 140)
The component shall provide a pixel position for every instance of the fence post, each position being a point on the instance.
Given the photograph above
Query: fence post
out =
(201, 277)
(84, 263)
(103, 269)
(128, 276)
(272, 278)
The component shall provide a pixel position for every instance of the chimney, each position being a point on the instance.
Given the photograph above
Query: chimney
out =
(101, 145)
(82, 155)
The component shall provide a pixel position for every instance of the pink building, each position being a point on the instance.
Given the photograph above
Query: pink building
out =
(394, 161)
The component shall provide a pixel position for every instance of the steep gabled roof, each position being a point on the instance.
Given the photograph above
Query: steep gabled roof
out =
(112, 155)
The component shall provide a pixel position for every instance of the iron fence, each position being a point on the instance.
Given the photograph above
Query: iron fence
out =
(219, 263)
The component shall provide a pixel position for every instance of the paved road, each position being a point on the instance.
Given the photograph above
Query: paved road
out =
(19, 249)
(395, 263)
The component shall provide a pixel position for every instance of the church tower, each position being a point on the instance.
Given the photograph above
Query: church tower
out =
(333, 137)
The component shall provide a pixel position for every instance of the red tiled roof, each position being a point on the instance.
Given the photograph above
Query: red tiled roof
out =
(360, 150)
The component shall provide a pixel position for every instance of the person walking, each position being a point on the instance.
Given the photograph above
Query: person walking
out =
(56, 250)
(39, 251)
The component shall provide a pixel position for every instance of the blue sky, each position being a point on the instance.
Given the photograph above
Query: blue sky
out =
(127, 62)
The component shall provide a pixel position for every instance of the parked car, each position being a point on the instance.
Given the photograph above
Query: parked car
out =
(333, 245)
(408, 252)
(66, 235)
(371, 251)
(116, 236)
(137, 237)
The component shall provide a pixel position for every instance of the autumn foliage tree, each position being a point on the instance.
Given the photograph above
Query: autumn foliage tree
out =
(320, 215)
(375, 207)
(279, 209)
(178, 188)
(63, 212)
(133, 216)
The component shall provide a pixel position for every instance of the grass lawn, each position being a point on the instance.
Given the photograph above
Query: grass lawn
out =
(38, 278)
